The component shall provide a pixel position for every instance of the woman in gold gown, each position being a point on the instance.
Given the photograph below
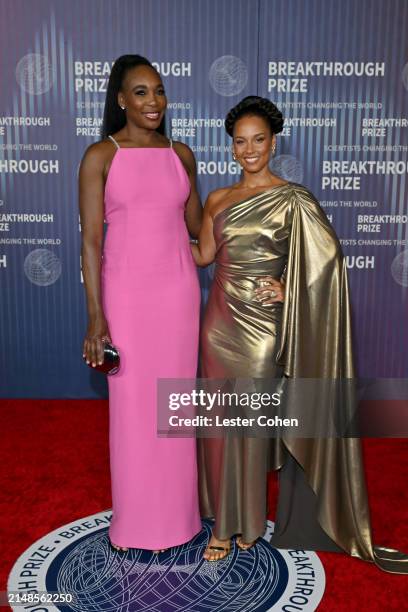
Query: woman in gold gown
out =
(278, 306)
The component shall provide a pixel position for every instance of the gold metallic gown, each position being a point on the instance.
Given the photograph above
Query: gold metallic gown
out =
(322, 501)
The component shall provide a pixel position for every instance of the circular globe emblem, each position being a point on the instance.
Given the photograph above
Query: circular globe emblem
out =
(34, 73)
(42, 267)
(405, 76)
(228, 75)
(399, 269)
(288, 168)
(79, 565)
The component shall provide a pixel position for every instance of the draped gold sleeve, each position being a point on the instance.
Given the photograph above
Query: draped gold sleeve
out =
(316, 331)
(316, 343)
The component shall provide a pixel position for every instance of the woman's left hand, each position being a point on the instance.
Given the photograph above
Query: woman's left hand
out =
(270, 290)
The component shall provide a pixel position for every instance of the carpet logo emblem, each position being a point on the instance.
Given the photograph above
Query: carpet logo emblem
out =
(77, 559)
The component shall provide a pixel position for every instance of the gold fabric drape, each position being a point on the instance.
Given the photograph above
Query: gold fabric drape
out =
(323, 499)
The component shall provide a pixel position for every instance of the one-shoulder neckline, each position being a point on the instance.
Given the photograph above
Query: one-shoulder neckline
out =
(252, 197)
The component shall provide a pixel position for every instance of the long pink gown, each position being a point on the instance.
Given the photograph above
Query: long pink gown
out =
(151, 299)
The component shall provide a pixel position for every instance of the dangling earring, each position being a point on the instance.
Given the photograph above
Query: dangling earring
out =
(234, 156)
(123, 107)
(273, 150)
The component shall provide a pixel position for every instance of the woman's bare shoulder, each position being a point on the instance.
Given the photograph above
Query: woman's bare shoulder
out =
(98, 155)
(99, 151)
(186, 155)
(215, 197)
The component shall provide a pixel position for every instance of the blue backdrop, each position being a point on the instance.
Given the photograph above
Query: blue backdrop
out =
(339, 72)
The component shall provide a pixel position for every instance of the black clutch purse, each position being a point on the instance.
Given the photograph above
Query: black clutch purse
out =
(111, 360)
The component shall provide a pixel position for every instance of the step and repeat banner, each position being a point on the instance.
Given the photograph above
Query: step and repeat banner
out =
(339, 73)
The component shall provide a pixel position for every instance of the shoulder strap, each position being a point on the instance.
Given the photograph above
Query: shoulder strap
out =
(114, 141)
(171, 143)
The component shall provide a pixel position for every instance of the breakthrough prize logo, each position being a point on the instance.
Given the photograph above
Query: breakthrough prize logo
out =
(399, 269)
(42, 267)
(228, 75)
(405, 76)
(35, 74)
(287, 167)
(77, 560)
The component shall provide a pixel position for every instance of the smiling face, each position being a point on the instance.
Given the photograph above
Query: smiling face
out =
(144, 97)
(253, 142)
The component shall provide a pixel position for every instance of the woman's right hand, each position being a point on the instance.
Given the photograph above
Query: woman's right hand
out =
(96, 336)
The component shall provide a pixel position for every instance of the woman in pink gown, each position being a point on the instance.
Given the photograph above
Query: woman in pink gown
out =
(143, 296)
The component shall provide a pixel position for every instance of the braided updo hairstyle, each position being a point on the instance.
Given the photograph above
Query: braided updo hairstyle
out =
(255, 105)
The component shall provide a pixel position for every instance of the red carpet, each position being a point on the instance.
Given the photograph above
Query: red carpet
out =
(55, 468)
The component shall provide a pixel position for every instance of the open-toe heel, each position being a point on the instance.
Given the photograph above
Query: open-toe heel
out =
(243, 545)
(218, 549)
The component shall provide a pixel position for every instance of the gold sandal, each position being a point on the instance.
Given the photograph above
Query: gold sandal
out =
(225, 549)
(242, 545)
